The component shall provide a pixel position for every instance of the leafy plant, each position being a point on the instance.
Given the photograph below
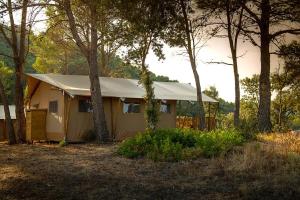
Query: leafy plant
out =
(180, 144)
(63, 143)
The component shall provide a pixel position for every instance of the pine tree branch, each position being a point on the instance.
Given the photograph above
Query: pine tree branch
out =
(290, 31)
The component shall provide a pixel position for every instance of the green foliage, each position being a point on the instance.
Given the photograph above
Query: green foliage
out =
(225, 120)
(63, 143)
(251, 88)
(5, 49)
(291, 55)
(219, 141)
(7, 78)
(152, 105)
(180, 144)
(187, 108)
(296, 123)
(54, 54)
(249, 105)
(284, 107)
(286, 85)
(224, 107)
(8, 64)
(212, 92)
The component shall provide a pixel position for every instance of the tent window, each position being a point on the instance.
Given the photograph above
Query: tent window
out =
(165, 108)
(85, 105)
(131, 107)
(53, 106)
(36, 106)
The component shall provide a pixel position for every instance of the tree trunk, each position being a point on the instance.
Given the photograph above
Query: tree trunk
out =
(237, 91)
(280, 109)
(18, 45)
(264, 121)
(19, 74)
(19, 101)
(190, 50)
(90, 52)
(103, 62)
(236, 86)
(8, 122)
(96, 96)
(233, 47)
(201, 113)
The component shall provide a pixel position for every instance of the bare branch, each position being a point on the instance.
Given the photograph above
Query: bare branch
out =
(251, 13)
(219, 63)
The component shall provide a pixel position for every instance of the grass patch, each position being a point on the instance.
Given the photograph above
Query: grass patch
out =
(180, 144)
(268, 168)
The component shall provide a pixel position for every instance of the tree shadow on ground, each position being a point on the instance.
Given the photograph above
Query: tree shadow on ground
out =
(96, 172)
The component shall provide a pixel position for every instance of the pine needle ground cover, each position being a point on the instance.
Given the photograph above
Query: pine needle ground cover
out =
(266, 168)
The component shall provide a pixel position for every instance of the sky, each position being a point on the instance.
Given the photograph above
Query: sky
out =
(177, 66)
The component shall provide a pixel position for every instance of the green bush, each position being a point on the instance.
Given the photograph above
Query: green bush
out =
(62, 143)
(179, 144)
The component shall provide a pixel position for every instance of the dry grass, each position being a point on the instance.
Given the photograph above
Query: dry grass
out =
(259, 170)
(273, 162)
(283, 143)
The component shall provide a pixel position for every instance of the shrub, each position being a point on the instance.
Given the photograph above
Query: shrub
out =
(179, 144)
(219, 141)
(62, 143)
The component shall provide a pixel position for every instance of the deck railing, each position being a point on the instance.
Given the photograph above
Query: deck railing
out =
(193, 122)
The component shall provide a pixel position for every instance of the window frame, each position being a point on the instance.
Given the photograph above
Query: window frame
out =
(35, 106)
(53, 106)
(169, 110)
(131, 103)
(87, 109)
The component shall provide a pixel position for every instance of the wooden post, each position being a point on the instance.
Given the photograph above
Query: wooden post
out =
(67, 107)
(112, 119)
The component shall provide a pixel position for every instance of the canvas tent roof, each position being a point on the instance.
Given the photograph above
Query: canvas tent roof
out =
(78, 85)
(12, 112)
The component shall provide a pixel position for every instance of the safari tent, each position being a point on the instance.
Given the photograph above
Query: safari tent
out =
(65, 99)
(3, 132)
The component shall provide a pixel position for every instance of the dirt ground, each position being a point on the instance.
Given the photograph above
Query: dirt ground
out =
(90, 171)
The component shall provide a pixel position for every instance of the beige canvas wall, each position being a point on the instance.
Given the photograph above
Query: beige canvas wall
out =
(129, 124)
(80, 123)
(54, 121)
(168, 120)
(120, 125)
